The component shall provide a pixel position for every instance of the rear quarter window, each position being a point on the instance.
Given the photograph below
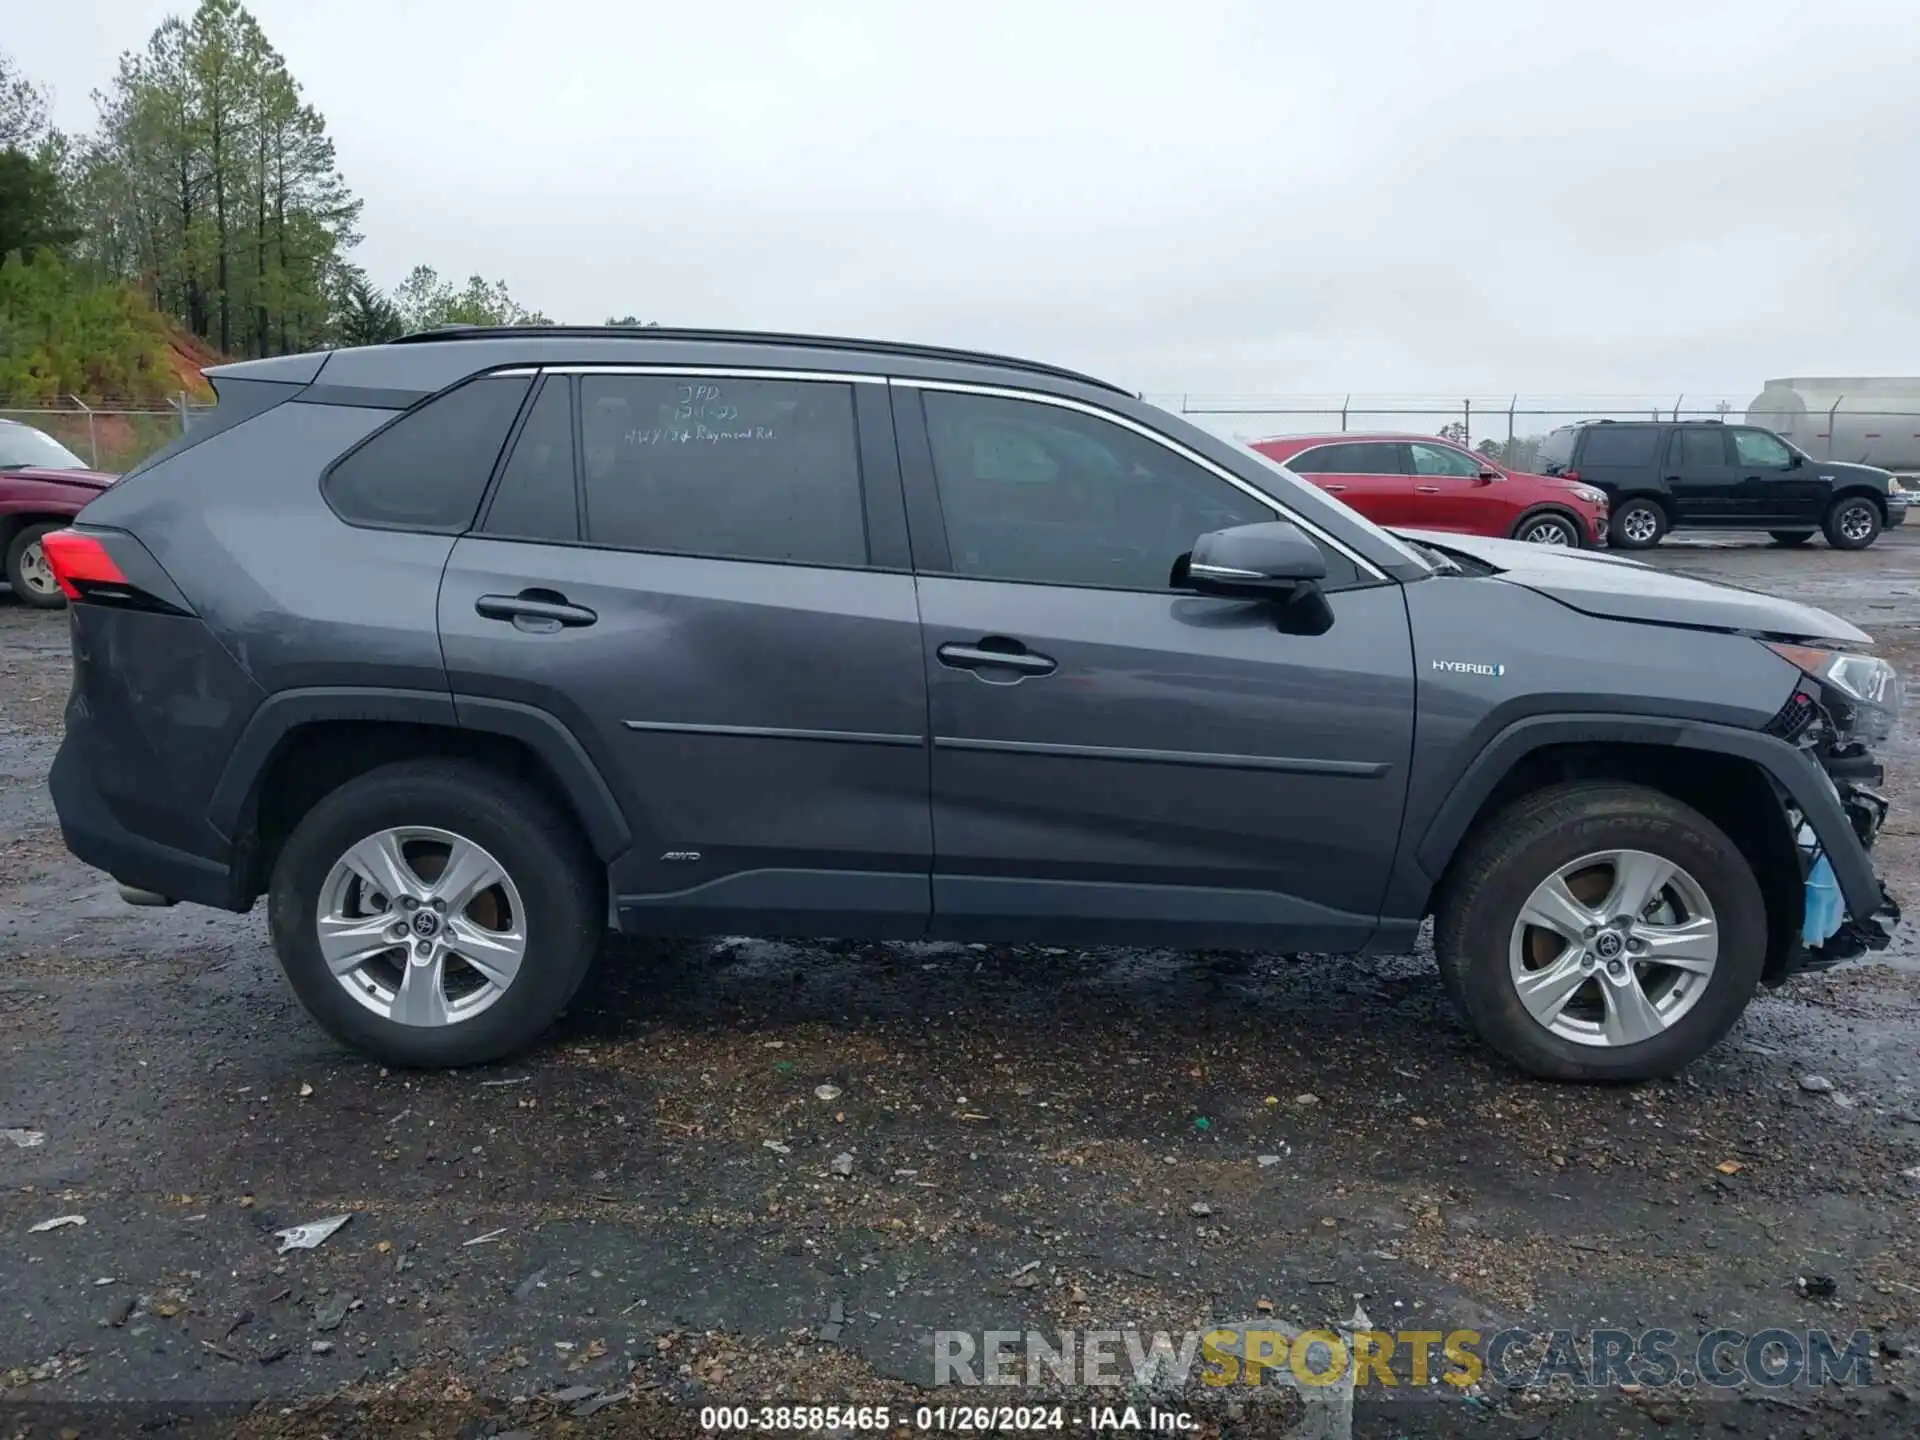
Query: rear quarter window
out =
(1556, 451)
(428, 469)
(1620, 445)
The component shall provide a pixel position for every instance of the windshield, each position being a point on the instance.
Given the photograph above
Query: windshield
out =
(22, 445)
(1354, 516)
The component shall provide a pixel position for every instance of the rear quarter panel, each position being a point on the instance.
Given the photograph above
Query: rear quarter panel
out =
(294, 593)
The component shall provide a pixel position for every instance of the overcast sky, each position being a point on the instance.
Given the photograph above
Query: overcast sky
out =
(1479, 196)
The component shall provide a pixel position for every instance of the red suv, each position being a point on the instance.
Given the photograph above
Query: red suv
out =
(42, 487)
(1419, 482)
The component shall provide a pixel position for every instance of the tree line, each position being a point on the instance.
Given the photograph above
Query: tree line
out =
(207, 199)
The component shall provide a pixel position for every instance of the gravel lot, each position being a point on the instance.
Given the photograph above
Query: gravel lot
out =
(648, 1207)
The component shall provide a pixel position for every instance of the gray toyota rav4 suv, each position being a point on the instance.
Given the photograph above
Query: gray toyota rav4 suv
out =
(464, 649)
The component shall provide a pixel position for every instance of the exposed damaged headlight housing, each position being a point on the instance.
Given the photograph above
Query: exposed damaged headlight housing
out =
(1862, 691)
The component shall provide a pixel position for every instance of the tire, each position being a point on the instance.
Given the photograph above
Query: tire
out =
(1853, 523)
(32, 582)
(1639, 524)
(551, 880)
(1548, 527)
(1481, 945)
(1791, 537)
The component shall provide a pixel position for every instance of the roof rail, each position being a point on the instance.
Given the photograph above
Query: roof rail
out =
(747, 337)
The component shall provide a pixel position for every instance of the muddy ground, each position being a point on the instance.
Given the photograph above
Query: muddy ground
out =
(645, 1215)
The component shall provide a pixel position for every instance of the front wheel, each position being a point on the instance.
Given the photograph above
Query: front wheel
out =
(1853, 523)
(434, 912)
(27, 569)
(1547, 530)
(1790, 537)
(1637, 525)
(1601, 931)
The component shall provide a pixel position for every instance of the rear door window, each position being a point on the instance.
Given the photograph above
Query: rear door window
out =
(428, 469)
(1351, 457)
(737, 469)
(1697, 448)
(1620, 445)
(535, 498)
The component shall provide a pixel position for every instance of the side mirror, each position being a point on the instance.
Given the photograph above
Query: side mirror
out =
(1487, 477)
(1795, 460)
(1251, 562)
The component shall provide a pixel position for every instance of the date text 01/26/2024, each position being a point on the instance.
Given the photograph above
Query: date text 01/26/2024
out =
(951, 1419)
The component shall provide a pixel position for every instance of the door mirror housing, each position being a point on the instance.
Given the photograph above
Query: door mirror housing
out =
(1487, 477)
(1251, 562)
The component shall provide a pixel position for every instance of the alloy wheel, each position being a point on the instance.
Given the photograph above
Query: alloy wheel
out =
(1856, 522)
(36, 573)
(1640, 524)
(421, 926)
(1614, 948)
(1547, 532)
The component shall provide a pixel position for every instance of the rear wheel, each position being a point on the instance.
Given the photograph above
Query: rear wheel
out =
(1547, 530)
(1637, 525)
(1791, 537)
(1853, 523)
(27, 569)
(1601, 931)
(434, 913)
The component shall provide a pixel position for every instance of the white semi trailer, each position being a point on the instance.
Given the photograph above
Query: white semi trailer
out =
(1862, 420)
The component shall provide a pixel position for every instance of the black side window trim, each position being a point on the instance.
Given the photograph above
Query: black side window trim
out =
(486, 493)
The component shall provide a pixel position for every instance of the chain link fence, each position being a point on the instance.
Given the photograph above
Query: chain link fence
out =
(111, 435)
(1511, 428)
(116, 435)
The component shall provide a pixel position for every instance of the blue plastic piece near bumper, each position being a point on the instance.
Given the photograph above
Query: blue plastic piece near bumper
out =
(1824, 906)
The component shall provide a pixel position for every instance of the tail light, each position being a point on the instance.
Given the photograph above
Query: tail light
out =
(79, 560)
(110, 568)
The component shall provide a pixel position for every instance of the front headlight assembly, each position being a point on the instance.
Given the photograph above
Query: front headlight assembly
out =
(1862, 692)
(1590, 495)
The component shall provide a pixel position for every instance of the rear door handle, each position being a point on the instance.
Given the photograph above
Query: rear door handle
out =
(538, 611)
(996, 653)
(1427, 489)
(1333, 489)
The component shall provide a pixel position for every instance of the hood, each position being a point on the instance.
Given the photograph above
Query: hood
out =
(86, 479)
(1620, 589)
(1846, 472)
(1555, 482)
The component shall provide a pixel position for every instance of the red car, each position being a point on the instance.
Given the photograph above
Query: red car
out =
(42, 487)
(1418, 482)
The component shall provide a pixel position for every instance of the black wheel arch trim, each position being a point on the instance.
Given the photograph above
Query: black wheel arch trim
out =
(556, 745)
(1795, 771)
(1859, 490)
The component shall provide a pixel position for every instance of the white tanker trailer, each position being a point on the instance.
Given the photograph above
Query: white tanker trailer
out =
(1864, 421)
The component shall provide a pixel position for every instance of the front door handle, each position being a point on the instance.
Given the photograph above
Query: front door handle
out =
(996, 652)
(1334, 489)
(540, 612)
(1427, 489)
